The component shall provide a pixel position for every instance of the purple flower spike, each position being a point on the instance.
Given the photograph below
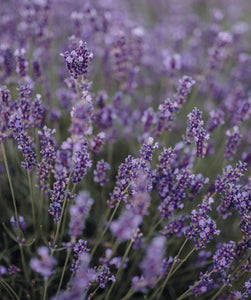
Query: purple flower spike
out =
(197, 132)
(147, 149)
(152, 265)
(79, 211)
(224, 256)
(81, 162)
(229, 176)
(125, 226)
(233, 141)
(77, 61)
(100, 172)
(48, 151)
(202, 227)
(45, 264)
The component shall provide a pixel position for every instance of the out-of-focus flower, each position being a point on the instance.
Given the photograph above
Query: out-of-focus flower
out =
(44, 265)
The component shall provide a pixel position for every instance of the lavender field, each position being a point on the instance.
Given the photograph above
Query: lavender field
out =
(125, 159)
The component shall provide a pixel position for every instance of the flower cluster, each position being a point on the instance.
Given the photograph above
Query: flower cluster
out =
(77, 61)
(196, 131)
(101, 151)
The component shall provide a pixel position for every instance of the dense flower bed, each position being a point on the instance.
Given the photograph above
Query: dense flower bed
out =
(125, 149)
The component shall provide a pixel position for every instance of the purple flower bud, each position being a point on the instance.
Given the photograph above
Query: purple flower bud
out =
(3, 271)
(22, 223)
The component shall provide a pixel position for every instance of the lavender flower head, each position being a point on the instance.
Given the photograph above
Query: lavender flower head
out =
(202, 227)
(152, 264)
(125, 226)
(81, 117)
(197, 132)
(45, 264)
(77, 61)
(100, 172)
(223, 256)
(233, 141)
(79, 211)
(81, 161)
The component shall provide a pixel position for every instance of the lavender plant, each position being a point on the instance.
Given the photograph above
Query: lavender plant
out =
(125, 150)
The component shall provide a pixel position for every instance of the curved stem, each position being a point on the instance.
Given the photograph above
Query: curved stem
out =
(32, 200)
(9, 289)
(66, 209)
(159, 291)
(185, 294)
(11, 187)
(120, 268)
(62, 275)
(106, 228)
(128, 295)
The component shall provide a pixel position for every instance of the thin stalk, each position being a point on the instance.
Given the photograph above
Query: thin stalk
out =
(45, 289)
(229, 276)
(93, 294)
(219, 292)
(62, 275)
(66, 209)
(23, 263)
(153, 229)
(104, 231)
(120, 268)
(11, 187)
(10, 290)
(32, 200)
(186, 293)
(159, 291)
(128, 295)
(183, 260)
(15, 210)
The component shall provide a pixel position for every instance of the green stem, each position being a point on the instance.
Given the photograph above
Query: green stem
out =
(159, 291)
(32, 200)
(45, 289)
(106, 228)
(120, 268)
(11, 187)
(93, 294)
(186, 293)
(229, 276)
(62, 275)
(128, 295)
(23, 263)
(218, 293)
(153, 229)
(9, 289)
(65, 215)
